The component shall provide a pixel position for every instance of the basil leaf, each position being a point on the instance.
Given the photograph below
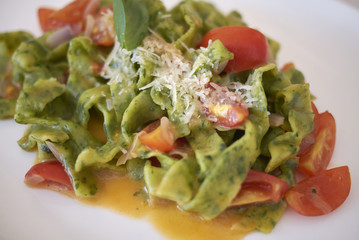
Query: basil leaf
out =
(131, 22)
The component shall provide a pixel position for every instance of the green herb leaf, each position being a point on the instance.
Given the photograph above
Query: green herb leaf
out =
(131, 22)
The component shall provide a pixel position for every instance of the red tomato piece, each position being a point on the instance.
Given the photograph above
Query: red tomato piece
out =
(315, 110)
(96, 68)
(317, 156)
(249, 46)
(229, 115)
(224, 107)
(49, 24)
(103, 32)
(320, 194)
(50, 175)
(73, 12)
(260, 187)
(72, 15)
(44, 14)
(158, 136)
(287, 66)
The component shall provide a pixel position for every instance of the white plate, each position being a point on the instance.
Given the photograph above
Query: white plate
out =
(321, 37)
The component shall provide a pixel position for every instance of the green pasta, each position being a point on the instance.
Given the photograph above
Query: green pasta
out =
(155, 72)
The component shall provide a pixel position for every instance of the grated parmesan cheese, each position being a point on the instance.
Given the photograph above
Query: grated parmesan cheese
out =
(118, 66)
(174, 72)
(242, 90)
(185, 80)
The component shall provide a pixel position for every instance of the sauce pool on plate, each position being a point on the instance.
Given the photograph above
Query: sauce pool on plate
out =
(123, 195)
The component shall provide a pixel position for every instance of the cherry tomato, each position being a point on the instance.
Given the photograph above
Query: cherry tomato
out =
(50, 175)
(72, 15)
(320, 194)
(96, 68)
(315, 109)
(74, 11)
(44, 18)
(249, 46)
(260, 187)
(229, 115)
(317, 156)
(44, 14)
(159, 136)
(287, 66)
(224, 107)
(103, 32)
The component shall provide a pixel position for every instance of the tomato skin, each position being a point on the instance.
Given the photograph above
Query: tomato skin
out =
(287, 66)
(315, 109)
(158, 136)
(249, 46)
(47, 23)
(72, 12)
(50, 174)
(259, 187)
(321, 194)
(72, 15)
(317, 156)
(44, 14)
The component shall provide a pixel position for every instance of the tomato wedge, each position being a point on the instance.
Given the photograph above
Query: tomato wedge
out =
(103, 32)
(223, 107)
(49, 175)
(74, 11)
(48, 24)
(287, 66)
(260, 187)
(158, 136)
(316, 157)
(315, 109)
(44, 15)
(229, 115)
(72, 15)
(249, 46)
(320, 194)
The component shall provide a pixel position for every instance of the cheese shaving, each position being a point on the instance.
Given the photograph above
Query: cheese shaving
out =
(118, 66)
(185, 80)
(242, 90)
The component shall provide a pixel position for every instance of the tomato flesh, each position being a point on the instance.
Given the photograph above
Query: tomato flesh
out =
(103, 32)
(317, 156)
(72, 12)
(224, 107)
(260, 187)
(72, 15)
(320, 194)
(50, 175)
(44, 14)
(229, 115)
(249, 46)
(287, 66)
(159, 138)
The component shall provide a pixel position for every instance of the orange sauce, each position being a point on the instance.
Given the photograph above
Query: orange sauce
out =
(121, 195)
